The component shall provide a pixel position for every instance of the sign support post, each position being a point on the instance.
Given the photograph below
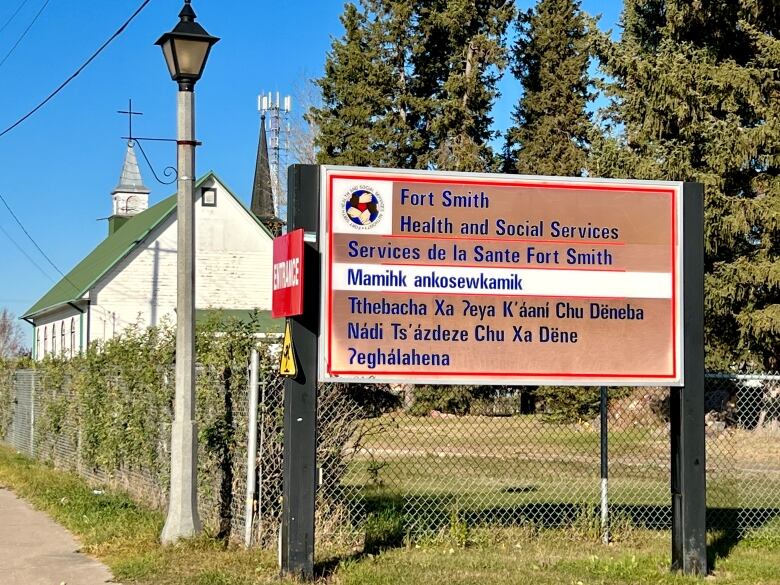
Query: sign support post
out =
(688, 481)
(300, 392)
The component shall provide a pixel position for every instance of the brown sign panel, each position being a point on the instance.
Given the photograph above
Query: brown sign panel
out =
(472, 278)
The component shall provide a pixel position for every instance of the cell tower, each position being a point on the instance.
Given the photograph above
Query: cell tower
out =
(278, 112)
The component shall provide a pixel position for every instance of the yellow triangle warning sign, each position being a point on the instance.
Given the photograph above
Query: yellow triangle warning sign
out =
(288, 365)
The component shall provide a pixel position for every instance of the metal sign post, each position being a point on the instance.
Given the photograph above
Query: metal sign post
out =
(689, 491)
(300, 391)
(604, 430)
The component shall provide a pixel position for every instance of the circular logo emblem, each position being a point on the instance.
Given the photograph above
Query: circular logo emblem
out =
(362, 207)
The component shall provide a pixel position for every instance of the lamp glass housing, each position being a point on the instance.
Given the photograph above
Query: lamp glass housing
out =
(186, 48)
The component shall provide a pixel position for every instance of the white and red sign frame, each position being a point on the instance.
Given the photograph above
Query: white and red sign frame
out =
(596, 283)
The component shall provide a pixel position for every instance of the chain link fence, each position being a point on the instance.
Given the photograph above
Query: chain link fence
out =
(743, 451)
(495, 458)
(46, 419)
(502, 461)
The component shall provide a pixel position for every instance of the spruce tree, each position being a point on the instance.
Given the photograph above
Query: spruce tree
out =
(399, 131)
(696, 91)
(411, 84)
(355, 95)
(550, 59)
(459, 58)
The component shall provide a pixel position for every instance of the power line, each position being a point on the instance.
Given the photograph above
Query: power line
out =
(26, 255)
(7, 22)
(83, 66)
(26, 233)
(24, 34)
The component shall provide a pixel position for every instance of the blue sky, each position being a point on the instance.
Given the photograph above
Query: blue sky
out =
(59, 167)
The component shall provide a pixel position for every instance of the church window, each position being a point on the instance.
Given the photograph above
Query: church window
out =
(72, 335)
(54, 340)
(62, 336)
(208, 197)
(38, 347)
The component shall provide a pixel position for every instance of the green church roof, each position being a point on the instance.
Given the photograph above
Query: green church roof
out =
(111, 250)
(115, 247)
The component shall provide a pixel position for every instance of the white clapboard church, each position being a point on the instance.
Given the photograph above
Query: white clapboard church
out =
(130, 277)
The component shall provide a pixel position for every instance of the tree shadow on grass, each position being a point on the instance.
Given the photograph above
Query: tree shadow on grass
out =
(401, 515)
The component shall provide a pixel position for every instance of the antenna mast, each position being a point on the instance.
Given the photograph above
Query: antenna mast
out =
(278, 111)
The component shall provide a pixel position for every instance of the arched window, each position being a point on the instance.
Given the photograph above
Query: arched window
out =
(72, 336)
(38, 349)
(45, 340)
(54, 340)
(62, 336)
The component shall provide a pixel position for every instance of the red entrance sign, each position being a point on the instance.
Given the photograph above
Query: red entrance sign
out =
(288, 275)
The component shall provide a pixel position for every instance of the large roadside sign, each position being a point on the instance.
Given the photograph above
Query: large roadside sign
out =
(287, 281)
(499, 279)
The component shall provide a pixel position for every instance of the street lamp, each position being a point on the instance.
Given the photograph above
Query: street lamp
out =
(186, 49)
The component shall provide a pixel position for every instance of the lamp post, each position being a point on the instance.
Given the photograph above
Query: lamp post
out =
(186, 49)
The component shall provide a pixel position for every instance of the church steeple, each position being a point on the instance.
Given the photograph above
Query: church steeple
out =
(262, 190)
(130, 196)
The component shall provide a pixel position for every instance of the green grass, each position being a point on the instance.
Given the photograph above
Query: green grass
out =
(549, 557)
(507, 461)
(124, 535)
(512, 435)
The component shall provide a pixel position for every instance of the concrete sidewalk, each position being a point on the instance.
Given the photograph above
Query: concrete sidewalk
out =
(35, 550)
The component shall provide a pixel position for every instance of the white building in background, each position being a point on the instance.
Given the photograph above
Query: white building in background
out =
(130, 277)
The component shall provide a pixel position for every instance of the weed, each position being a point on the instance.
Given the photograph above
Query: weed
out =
(384, 529)
(373, 468)
(459, 529)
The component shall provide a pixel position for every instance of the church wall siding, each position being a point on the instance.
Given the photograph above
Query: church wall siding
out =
(58, 322)
(233, 270)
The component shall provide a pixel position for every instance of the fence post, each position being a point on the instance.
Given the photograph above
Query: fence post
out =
(261, 448)
(13, 433)
(604, 467)
(32, 417)
(251, 450)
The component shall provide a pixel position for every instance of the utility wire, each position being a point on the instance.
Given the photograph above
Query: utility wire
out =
(7, 22)
(26, 233)
(83, 66)
(26, 255)
(24, 34)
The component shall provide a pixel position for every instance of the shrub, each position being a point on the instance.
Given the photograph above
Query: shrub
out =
(567, 404)
(449, 399)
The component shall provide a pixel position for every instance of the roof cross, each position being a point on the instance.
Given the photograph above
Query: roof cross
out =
(130, 113)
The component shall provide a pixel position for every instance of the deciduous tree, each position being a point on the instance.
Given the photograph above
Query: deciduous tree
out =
(11, 338)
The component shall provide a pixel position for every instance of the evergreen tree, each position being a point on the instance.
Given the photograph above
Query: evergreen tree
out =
(458, 61)
(355, 95)
(411, 84)
(399, 131)
(550, 59)
(696, 88)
